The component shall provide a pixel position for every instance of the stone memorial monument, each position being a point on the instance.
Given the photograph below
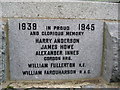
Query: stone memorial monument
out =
(59, 41)
(55, 49)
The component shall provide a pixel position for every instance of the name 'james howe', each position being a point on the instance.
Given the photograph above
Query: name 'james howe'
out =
(56, 41)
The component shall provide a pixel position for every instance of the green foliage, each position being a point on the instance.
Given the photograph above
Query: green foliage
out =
(9, 88)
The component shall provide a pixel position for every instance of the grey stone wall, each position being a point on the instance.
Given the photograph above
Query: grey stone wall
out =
(58, 0)
(0, 53)
(111, 52)
(84, 10)
(77, 10)
(113, 30)
(0, 42)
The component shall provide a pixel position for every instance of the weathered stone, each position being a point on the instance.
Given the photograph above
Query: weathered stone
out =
(58, 0)
(0, 52)
(0, 11)
(23, 47)
(111, 52)
(90, 10)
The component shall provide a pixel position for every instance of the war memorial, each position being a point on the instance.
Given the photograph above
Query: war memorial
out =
(59, 41)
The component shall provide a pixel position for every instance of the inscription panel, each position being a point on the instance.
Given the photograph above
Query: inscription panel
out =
(44, 49)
